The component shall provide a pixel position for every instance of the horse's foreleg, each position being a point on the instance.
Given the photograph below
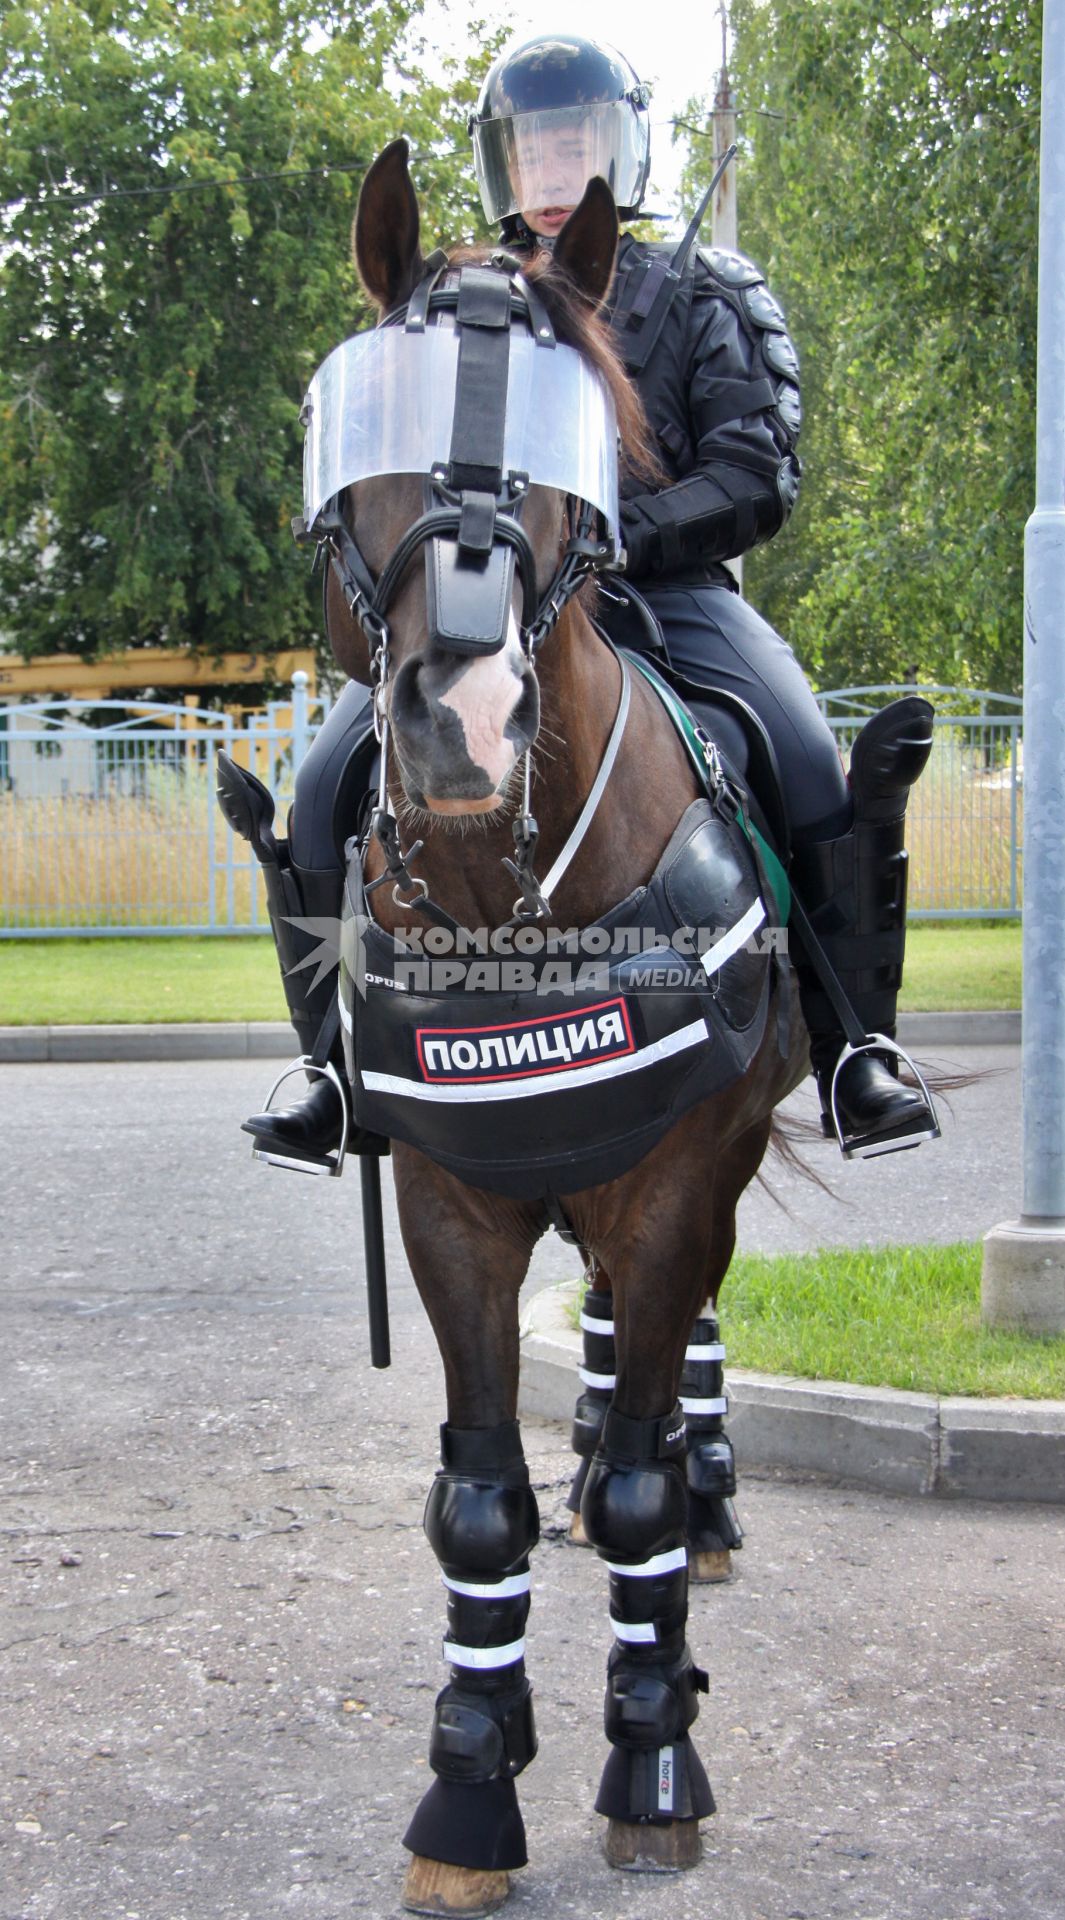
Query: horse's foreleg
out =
(635, 1507)
(714, 1531)
(481, 1521)
(653, 1238)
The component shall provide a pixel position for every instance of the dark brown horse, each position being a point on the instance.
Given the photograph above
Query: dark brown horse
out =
(658, 1238)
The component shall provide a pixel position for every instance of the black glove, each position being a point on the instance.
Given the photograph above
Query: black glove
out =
(640, 539)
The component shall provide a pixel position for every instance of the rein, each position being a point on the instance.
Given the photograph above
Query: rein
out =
(472, 518)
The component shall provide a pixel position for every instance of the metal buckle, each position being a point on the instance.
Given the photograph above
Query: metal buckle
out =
(333, 1164)
(870, 1147)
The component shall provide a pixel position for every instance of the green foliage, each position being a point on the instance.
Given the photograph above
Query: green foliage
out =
(888, 186)
(155, 345)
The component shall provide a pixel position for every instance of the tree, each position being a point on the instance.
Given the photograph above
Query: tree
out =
(888, 186)
(174, 262)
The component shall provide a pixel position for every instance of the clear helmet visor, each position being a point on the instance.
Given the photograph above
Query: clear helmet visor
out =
(528, 162)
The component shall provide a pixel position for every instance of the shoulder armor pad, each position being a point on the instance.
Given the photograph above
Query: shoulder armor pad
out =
(763, 309)
(732, 269)
(789, 407)
(780, 355)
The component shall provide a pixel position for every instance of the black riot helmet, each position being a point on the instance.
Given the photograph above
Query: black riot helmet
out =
(553, 113)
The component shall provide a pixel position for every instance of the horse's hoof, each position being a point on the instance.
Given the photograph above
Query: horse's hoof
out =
(576, 1531)
(669, 1846)
(709, 1569)
(431, 1886)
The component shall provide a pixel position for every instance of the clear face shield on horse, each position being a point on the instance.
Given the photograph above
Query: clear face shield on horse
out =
(468, 389)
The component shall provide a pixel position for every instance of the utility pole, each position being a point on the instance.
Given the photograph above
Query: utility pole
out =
(723, 212)
(1024, 1260)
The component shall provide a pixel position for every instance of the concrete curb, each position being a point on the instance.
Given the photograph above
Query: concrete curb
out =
(274, 1039)
(206, 1040)
(910, 1443)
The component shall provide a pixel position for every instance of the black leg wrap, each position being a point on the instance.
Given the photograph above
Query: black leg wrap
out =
(481, 1522)
(597, 1369)
(635, 1509)
(713, 1526)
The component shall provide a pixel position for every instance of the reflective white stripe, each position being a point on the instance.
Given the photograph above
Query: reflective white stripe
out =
(602, 1380)
(713, 1350)
(705, 1406)
(692, 1035)
(345, 1015)
(483, 1656)
(732, 941)
(596, 1326)
(498, 1590)
(640, 1633)
(658, 1563)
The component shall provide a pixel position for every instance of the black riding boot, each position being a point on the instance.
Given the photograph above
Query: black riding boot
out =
(854, 892)
(306, 1135)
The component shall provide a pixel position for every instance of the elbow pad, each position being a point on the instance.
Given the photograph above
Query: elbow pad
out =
(702, 519)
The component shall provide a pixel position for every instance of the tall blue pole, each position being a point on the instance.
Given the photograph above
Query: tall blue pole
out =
(1024, 1260)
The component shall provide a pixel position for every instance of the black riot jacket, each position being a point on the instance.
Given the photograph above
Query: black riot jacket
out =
(720, 388)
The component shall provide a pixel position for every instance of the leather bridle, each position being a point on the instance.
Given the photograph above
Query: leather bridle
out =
(471, 532)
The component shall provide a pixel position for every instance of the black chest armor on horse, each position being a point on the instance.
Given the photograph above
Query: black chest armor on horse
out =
(537, 1089)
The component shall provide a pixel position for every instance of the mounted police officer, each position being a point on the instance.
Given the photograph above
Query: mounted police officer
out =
(707, 347)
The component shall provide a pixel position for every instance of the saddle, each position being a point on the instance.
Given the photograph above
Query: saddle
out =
(627, 622)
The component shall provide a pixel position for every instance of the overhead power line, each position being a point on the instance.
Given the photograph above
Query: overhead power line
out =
(204, 186)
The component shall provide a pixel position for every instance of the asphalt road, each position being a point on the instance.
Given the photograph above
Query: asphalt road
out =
(220, 1623)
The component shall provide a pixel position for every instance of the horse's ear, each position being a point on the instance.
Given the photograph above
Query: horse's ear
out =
(587, 246)
(386, 229)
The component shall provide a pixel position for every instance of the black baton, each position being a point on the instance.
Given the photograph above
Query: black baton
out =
(373, 1238)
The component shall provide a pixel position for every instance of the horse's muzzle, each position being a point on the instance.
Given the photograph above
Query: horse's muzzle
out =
(460, 725)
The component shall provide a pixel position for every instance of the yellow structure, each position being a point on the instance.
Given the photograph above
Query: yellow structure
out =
(69, 677)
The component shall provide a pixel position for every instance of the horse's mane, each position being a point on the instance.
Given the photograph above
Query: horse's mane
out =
(576, 325)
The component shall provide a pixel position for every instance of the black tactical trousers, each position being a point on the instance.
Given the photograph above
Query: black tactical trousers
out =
(712, 635)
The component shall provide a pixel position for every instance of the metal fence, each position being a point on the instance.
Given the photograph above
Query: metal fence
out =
(109, 824)
(964, 825)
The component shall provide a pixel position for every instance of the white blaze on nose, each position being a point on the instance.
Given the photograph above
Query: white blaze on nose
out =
(484, 697)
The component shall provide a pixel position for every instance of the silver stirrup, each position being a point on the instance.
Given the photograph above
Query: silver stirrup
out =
(333, 1165)
(870, 1147)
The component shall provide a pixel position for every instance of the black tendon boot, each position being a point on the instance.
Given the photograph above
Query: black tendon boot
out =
(596, 1373)
(714, 1530)
(306, 1135)
(635, 1509)
(854, 891)
(481, 1522)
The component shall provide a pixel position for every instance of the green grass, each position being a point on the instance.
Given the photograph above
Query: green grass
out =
(962, 965)
(79, 982)
(881, 1317)
(112, 982)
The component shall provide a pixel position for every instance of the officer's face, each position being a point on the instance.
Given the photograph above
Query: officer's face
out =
(554, 166)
